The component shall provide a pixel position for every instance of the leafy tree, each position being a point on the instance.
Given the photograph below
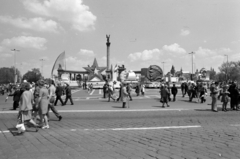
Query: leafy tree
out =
(33, 76)
(172, 71)
(230, 70)
(7, 75)
(212, 74)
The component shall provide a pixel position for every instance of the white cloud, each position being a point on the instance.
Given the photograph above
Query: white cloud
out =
(184, 32)
(72, 11)
(37, 24)
(145, 55)
(26, 42)
(88, 53)
(203, 52)
(174, 48)
(6, 55)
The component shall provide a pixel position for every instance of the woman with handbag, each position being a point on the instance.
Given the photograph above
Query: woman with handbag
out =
(26, 106)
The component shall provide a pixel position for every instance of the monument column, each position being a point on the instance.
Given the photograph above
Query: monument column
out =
(108, 52)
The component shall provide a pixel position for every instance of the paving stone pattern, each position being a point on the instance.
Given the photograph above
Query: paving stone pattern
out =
(69, 139)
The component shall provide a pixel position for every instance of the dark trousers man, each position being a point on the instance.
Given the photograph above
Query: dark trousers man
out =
(174, 97)
(54, 110)
(58, 98)
(15, 105)
(104, 93)
(130, 97)
(70, 98)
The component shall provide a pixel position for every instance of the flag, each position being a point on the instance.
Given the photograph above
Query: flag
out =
(59, 63)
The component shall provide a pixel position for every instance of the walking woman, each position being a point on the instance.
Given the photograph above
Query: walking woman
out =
(26, 106)
(43, 104)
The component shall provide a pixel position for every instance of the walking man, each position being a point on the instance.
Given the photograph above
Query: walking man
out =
(16, 97)
(174, 91)
(129, 89)
(59, 92)
(164, 96)
(68, 95)
(52, 90)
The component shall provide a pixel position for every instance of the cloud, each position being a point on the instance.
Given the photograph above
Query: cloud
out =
(37, 24)
(145, 55)
(184, 32)
(174, 48)
(6, 55)
(71, 11)
(26, 42)
(88, 53)
(203, 52)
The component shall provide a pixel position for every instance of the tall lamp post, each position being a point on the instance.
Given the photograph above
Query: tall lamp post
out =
(15, 72)
(227, 68)
(192, 64)
(163, 70)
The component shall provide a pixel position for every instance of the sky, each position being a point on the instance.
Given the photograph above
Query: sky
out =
(142, 33)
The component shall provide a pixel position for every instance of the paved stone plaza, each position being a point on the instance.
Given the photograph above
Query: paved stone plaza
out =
(96, 129)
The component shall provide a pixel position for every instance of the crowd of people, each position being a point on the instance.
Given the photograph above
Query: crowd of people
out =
(35, 100)
(226, 93)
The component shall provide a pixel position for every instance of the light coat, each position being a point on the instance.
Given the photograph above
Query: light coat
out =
(124, 94)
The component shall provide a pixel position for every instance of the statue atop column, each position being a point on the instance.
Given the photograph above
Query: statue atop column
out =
(108, 37)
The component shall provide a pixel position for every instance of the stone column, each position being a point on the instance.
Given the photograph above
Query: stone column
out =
(108, 52)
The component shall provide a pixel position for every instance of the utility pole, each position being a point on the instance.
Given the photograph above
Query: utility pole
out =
(163, 67)
(192, 64)
(42, 66)
(227, 68)
(15, 72)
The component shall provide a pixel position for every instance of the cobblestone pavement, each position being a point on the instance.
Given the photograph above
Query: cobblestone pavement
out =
(143, 135)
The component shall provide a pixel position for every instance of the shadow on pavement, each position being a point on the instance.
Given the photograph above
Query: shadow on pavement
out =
(116, 106)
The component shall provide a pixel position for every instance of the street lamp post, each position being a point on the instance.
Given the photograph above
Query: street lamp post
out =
(15, 72)
(192, 64)
(163, 70)
(227, 68)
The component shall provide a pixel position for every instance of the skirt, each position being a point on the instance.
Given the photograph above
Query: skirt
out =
(43, 105)
(25, 116)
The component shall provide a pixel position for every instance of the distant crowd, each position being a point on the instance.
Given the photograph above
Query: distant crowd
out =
(225, 92)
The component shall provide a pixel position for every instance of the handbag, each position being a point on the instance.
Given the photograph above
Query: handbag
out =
(161, 100)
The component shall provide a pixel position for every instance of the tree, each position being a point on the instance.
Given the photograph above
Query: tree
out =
(7, 75)
(212, 74)
(33, 76)
(172, 71)
(230, 70)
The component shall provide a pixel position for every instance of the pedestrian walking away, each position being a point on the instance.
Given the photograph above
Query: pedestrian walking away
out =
(59, 93)
(174, 91)
(68, 94)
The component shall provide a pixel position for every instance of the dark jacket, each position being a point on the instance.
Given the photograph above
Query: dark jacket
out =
(16, 95)
(68, 91)
(174, 90)
(59, 91)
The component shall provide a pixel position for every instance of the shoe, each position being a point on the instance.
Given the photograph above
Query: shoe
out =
(215, 111)
(168, 105)
(46, 127)
(59, 118)
(163, 106)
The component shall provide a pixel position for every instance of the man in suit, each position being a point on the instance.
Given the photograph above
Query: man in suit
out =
(68, 95)
(174, 91)
(59, 92)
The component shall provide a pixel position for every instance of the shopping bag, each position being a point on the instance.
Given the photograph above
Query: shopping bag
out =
(6, 99)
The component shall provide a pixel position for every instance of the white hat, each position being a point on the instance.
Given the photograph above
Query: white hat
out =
(25, 81)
